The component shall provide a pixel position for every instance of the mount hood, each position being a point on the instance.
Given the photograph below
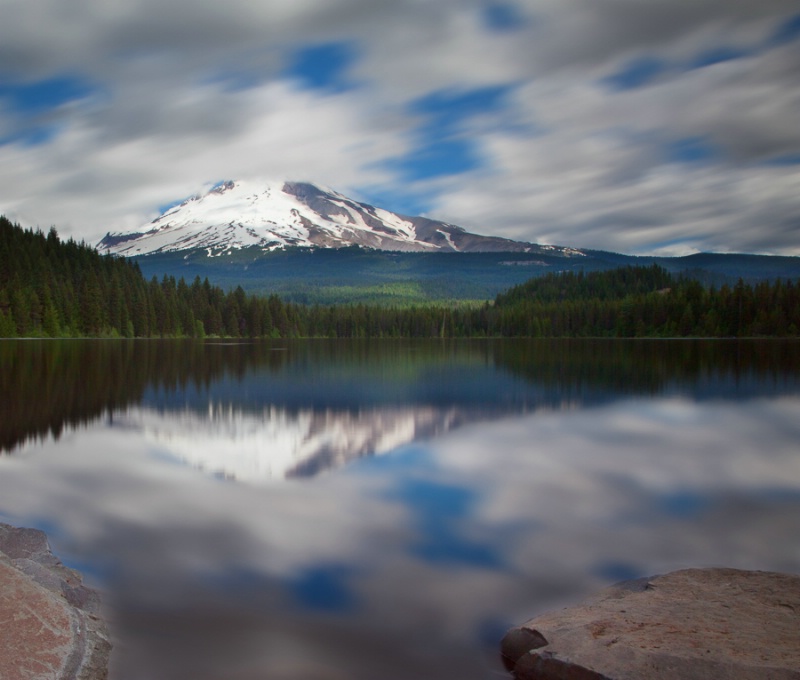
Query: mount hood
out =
(276, 215)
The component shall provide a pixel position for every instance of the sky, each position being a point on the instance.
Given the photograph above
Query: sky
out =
(639, 126)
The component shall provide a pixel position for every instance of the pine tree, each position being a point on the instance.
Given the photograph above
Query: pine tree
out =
(8, 327)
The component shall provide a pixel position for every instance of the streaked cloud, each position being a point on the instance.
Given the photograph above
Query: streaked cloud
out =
(641, 127)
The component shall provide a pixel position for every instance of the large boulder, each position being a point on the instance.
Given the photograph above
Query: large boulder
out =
(50, 625)
(693, 624)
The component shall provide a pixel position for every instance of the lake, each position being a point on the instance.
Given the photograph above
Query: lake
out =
(387, 509)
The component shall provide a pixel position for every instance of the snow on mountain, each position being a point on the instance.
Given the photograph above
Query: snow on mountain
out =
(282, 444)
(275, 215)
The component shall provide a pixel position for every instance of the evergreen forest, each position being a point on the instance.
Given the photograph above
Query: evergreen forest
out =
(55, 288)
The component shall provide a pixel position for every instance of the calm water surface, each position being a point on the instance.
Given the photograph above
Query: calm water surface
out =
(346, 510)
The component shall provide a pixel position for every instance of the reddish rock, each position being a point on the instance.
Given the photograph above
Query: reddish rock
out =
(694, 624)
(50, 627)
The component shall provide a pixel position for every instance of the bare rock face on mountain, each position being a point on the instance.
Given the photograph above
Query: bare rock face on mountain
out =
(50, 625)
(694, 624)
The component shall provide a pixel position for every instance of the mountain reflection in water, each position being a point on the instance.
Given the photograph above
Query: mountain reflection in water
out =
(279, 443)
(253, 411)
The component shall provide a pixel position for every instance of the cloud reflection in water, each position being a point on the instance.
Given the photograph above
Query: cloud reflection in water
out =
(394, 566)
(517, 477)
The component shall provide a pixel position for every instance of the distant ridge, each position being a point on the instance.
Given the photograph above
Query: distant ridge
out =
(272, 215)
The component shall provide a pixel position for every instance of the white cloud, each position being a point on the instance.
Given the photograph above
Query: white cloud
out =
(167, 117)
(598, 174)
(672, 209)
(103, 176)
(584, 33)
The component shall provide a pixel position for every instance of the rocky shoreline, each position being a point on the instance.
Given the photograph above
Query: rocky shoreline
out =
(693, 624)
(50, 623)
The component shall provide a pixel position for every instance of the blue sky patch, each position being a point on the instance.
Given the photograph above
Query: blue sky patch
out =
(34, 135)
(443, 546)
(636, 73)
(685, 504)
(436, 502)
(441, 146)
(397, 200)
(503, 16)
(323, 67)
(437, 158)
(438, 510)
(168, 206)
(787, 31)
(324, 588)
(445, 109)
(44, 95)
(718, 55)
(691, 150)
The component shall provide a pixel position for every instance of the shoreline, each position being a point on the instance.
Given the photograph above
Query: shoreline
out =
(52, 623)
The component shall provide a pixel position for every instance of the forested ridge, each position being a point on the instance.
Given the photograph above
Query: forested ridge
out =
(647, 302)
(50, 288)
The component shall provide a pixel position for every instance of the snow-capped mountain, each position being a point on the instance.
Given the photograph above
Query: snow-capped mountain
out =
(283, 444)
(274, 215)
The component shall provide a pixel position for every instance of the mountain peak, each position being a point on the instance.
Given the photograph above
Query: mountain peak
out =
(273, 215)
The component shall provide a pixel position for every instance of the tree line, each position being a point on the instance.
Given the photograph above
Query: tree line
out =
(647, 302)
(51, 288)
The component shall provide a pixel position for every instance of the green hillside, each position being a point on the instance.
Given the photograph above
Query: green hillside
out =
(351, 275)
(355, 275)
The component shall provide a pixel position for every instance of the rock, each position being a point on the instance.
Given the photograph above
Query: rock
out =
(693, 624)
(50, 625)
(519, 641)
